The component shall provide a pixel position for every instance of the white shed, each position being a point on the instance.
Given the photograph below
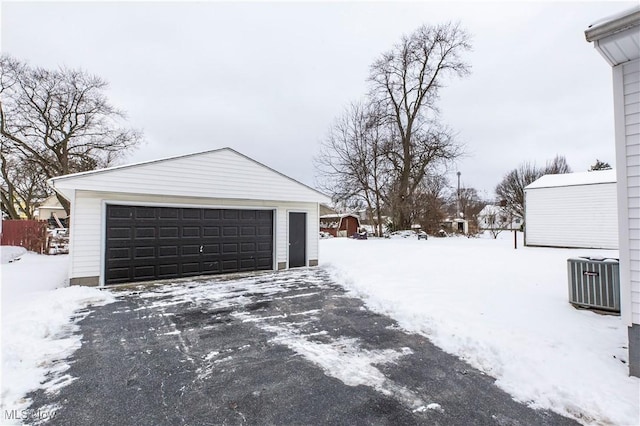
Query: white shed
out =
(617, 38)
(206, 213)
(572, 210)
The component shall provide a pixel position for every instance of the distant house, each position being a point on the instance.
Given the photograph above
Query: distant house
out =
(50, 209)
(572, 210)
(456, 225)
(340, 225)
(325, 209)
(617, 39)
(496, 217)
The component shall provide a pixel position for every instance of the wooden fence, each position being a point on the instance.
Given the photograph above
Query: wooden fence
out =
(30, 234)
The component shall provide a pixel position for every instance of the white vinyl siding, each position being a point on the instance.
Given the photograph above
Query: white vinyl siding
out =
(87, 233)
(582, 216)
(627, 76)
(218, 174)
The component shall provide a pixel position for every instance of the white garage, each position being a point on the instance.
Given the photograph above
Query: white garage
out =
(572, 210)
(214, 212)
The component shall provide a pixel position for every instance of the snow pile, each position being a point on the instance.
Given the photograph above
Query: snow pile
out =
(39, 325)
(504, 311)
(11, 253)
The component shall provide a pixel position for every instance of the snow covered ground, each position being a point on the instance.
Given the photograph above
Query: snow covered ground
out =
(504, 311)
(39, 317)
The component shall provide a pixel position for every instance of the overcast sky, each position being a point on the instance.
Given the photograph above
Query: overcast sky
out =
(268, 79)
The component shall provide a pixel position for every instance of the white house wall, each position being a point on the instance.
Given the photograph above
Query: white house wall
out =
(626, 78)
(583, 216)
(88, 224)
(222, 173)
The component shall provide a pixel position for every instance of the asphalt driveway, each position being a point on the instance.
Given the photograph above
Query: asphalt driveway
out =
(275, 348)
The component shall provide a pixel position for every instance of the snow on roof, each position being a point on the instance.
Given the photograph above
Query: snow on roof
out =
(491, 209)
(338, 215)
(573, 179)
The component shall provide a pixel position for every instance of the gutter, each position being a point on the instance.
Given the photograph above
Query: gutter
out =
(613, 24)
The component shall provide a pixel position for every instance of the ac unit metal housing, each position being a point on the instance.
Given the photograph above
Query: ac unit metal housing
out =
(594, 283)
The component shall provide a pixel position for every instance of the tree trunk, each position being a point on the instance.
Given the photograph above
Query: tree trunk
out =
(65, 203)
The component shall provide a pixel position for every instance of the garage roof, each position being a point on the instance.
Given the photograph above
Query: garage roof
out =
(573, 179)
(221, 173)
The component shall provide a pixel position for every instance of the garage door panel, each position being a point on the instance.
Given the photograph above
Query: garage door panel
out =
(119, 233)
(168, 251)
(248, 231)
(145, 253)
(168, 270)
(211, 231)
(191, 268)
(230, 214)
(120, 212)
(120, 253)
(144, 272)
(264, 215)
(191, 214)
(264, 262)
(190, 232)
(145, 233)
(264, 231)
(230, 231)
(264, 246)
(168, 213)
(145, 243)
(213, 266)
(229, 248)
(247, 247)
(210, 249)
(145, 213)
(248, 215)
(230, 265)
(189, 250)
(210, 214)
(168, 232)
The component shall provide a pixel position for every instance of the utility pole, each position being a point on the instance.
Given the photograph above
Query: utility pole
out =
(458, 198)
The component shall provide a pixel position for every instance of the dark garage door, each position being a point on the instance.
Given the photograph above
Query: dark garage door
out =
(148, 243)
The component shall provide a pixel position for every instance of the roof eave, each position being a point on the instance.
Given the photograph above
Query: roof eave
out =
(613, 25)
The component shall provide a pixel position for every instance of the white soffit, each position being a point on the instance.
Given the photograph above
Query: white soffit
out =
(617, 37)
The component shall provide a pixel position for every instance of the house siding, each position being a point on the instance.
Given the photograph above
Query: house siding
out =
(581, 216)
(87, 234)
(216, 174)
(627, 80)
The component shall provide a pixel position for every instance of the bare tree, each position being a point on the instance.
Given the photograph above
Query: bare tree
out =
(430, 202)
(511, 189)
(21, 187)
(59, 120)
(496, 220)
(351, 161)
(557, 166)
(470, 206)
(405, 82)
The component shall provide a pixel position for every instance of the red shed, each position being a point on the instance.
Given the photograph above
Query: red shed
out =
(340, 225)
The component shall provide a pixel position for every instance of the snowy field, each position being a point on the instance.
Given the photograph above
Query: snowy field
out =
(38, 321)
(504, 311)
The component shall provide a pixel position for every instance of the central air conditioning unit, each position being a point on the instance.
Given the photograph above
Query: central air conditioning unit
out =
(594, 283)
